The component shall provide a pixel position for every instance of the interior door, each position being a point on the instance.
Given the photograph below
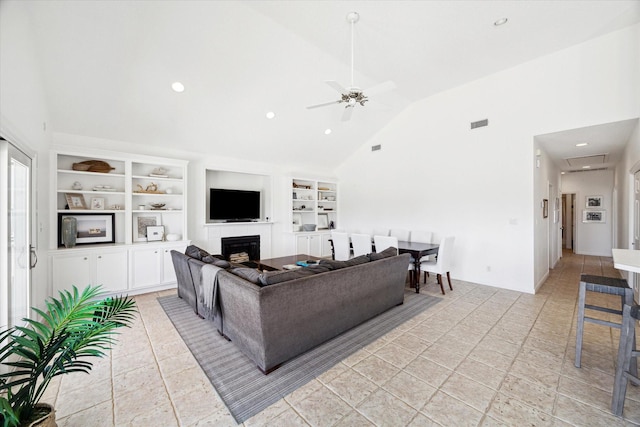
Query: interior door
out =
(15, 229)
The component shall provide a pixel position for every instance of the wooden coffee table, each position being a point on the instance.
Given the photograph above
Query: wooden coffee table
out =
(277, 263)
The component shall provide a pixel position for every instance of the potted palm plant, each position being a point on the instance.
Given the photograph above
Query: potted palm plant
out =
(74, 328)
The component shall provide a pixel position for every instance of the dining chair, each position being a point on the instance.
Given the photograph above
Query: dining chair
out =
(361, 244)
(383, 242)
(400, 234)
(341, 247)
(380, 232)
(442, 265)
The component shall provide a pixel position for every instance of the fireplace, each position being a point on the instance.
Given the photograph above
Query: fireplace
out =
(241, 249)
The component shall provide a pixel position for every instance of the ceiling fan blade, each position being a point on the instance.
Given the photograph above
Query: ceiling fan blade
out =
(324, 104)
(347, 113)
(337, 86)
(379, 88)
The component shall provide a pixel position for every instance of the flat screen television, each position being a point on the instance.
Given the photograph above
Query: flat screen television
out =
(233, 205)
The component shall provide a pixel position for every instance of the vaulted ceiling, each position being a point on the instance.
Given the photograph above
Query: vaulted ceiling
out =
(108, 65)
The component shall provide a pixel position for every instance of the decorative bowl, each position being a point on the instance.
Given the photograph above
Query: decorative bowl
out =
(308, 227)
(158, 205)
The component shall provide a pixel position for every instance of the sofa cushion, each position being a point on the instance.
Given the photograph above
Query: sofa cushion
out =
(273, 277)
(389, 252)
(214, 260)
(195, 252)
(250, 274)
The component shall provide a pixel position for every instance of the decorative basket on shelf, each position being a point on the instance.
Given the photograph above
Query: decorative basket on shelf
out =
(93, 166)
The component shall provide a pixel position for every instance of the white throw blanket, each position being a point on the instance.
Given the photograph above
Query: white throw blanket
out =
(209, 281)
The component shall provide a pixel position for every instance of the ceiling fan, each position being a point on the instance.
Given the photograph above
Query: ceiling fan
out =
(353, 95)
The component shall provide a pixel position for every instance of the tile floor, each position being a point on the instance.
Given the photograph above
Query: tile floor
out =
(483, 356)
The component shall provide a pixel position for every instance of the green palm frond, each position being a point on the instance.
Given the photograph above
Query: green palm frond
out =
(74, 326)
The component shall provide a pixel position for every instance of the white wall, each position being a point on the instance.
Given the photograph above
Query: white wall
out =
(547, 245)
(591, 238)
(434, 173)
(23, 113)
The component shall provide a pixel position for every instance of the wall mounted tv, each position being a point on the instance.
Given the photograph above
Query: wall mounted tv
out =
(233, 205)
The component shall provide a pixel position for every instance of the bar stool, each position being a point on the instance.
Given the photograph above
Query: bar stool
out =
(625, 370)
(603, 285)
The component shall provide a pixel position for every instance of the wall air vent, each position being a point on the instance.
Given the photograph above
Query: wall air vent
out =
(376, 147)
(480, 123)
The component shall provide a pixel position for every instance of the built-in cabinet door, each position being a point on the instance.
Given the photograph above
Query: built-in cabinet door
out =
(310, 244)
(70, 270)
(147, 267)
(111, 271)
(169, 273)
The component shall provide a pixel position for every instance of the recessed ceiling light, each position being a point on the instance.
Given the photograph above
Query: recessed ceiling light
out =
(586, 167)
(177, 87)
(271, 115)
(500, 21)
(582, 144)
(562, 173)
(327, 131)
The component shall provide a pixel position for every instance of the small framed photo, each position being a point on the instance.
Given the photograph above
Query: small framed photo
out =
(323, 221)
(75, 201)
(97, 203)
(92, 228)
(155, 233)
(593, 216)
(545, 208)
(594, 201)
(141, 223)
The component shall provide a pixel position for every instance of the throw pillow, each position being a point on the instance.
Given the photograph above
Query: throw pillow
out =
(195, 252)
(250, 274)
(335, 265)
(389, 252)
(212, 259)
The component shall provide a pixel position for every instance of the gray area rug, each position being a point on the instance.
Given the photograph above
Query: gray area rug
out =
(244, 389)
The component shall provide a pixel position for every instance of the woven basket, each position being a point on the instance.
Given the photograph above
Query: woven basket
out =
(93, 166)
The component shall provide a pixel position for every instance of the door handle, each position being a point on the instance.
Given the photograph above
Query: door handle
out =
(33, 257)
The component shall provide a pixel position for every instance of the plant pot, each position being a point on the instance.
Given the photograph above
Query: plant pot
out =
(47, 419)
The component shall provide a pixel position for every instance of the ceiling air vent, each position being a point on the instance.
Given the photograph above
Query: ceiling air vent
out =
(480, 123)
(578, 162)
(376, 147)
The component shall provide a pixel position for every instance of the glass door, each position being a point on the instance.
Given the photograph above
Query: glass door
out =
(15, 229)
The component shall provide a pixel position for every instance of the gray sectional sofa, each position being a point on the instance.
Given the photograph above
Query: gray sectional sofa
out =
(275, 316)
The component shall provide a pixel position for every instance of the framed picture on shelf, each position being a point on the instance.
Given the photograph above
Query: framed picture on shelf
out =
(97, 203)
(92, 228)
(75, 201)
(594, 201)
(593, 216)
(155, 233)
(141, 223)
(323, 221)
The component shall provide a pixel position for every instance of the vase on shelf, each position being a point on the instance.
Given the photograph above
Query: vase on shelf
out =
(69, 231)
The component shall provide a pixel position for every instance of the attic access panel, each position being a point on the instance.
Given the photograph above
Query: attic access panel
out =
(578, 162)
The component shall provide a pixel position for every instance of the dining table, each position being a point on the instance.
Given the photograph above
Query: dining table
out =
(417, 251)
